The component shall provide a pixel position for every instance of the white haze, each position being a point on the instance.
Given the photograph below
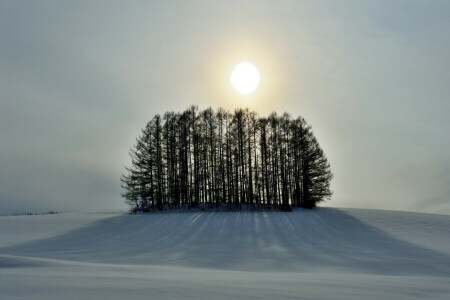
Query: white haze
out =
(79, 79)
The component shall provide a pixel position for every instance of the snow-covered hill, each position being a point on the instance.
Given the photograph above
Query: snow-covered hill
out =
(318, 254)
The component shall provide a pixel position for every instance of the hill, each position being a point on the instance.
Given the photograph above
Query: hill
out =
(314, 254)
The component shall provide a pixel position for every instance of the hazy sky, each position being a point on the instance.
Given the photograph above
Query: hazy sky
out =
(79, 79)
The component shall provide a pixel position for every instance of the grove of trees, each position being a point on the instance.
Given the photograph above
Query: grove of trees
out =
(218, 157)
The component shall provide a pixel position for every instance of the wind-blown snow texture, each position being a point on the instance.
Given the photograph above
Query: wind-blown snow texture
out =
(311, 254)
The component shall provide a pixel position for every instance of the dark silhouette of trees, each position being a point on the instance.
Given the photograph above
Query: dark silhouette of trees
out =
(193, 157)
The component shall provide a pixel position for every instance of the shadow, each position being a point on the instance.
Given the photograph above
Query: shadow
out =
(303, 241)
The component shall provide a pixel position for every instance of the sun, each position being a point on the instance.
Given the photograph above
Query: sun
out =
(245, 78)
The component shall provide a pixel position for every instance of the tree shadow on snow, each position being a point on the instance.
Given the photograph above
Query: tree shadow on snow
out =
(323, 239)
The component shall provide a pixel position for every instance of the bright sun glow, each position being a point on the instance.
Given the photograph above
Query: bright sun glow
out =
(245, 78)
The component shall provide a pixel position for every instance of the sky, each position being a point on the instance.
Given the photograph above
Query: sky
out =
(79, 79)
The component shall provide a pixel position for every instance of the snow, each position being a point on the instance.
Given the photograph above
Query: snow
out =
(308, 254)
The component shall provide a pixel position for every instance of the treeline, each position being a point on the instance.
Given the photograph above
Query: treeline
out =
(217, 157)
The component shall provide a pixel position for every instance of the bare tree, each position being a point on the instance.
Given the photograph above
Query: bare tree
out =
(196, 157)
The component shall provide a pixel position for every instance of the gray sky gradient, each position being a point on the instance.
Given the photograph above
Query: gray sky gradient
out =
(79, 79)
